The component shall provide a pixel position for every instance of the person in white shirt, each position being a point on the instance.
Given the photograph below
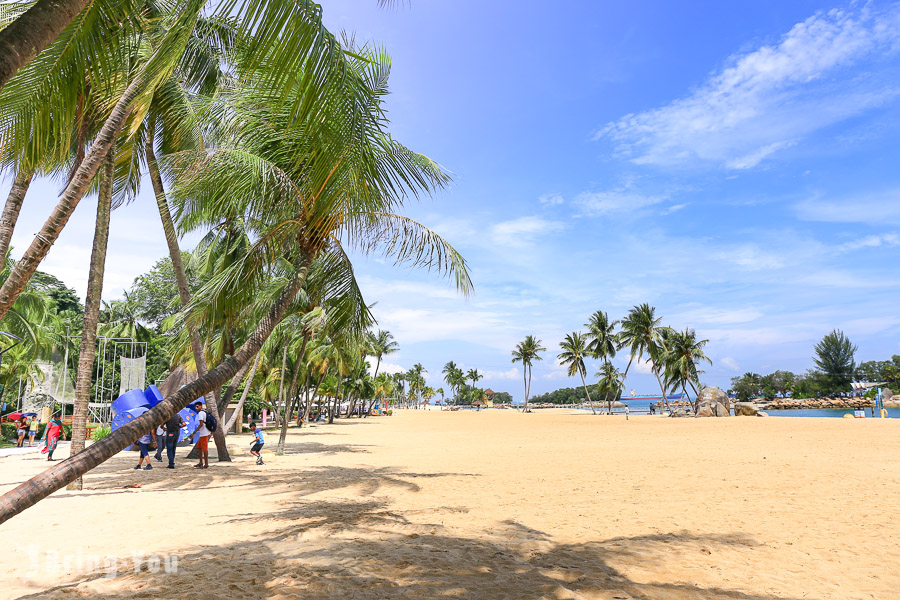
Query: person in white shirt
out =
(203, 440)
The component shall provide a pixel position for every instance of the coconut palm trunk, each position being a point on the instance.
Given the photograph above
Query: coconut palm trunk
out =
(525, 383)
(78, 185)
(33, 31)
(292, 395)
(13, 206)
(288, 407)
(231, 390)
(336, 403)
(590, 402)
(662, 389)
(237, 411)
(92, 310)
(184, 292)
(58, 476)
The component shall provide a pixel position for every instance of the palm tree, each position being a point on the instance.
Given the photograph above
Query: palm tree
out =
(381, 343)
(611, 382)
(574, 349)
(642, 334)
(449, 372)
(310, 177)
(474, 376)
(526, 352)
(684, 354)
(603, 341)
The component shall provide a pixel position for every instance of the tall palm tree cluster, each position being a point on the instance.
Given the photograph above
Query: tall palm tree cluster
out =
(260, 131)
(673, 356)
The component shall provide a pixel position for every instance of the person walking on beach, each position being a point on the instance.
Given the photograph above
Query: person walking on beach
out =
(203, 440)
(626, 412)
(160, 442)
(32, 431)
(52, 433)
(172, 428)
(144, 444)
(21, 432)
(258, 443)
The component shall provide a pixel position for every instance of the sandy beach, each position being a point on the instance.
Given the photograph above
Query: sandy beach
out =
(492, 504)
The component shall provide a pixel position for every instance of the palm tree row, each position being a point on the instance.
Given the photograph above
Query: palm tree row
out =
(259, 129)
(673, 355)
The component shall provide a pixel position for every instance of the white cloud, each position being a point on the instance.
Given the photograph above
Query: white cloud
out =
(513, 373)
(730, 363)
(524, 230)
(876, 208)
(551, 199)
(768, 99)
(597, 204)
(887, 240)
(752, 258)
(675, 208)
(385, 367)
(643, 366)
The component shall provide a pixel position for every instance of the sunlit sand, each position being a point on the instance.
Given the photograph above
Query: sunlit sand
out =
(490, 504)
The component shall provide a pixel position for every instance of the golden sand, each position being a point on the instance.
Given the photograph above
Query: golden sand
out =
(495, 504)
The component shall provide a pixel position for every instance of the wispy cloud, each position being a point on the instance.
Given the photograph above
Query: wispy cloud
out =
(772, 97)
(551, 199)
(524, 230)
(675, 208)
(886, 240)
(876, 208)
(596, 204)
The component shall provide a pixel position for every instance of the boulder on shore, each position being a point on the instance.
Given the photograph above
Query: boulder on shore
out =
(745, 409)
(713, 402)
(680, 412)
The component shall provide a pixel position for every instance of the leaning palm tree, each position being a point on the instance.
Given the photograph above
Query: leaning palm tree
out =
(574, 349)
(381, 344)
(526, 352)
(315, 173)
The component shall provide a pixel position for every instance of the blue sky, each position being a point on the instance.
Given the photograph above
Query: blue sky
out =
(733, 164)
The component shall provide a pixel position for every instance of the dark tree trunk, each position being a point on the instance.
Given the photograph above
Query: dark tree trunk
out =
(289, 401)
(32, 32)
(92, 310)
(13, 206)
(590, 402)
(58, 476)
(184, 291)
(244, 395)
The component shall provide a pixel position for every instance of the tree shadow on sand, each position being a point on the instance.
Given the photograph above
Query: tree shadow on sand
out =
(346, 550)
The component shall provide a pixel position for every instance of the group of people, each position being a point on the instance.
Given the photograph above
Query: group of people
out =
(52, 433)
(167, 436)
(23, 428)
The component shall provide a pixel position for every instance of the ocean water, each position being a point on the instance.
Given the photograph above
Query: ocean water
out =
(827, 412)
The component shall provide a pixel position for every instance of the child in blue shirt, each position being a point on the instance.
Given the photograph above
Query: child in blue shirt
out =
(258, 442)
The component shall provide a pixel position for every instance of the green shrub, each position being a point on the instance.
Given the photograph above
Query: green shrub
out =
(100, 433)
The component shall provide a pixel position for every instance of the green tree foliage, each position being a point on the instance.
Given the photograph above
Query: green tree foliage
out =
(835, 359)
(155, 293)
(65, 297)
